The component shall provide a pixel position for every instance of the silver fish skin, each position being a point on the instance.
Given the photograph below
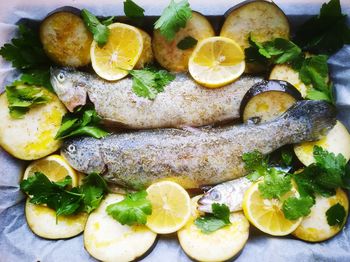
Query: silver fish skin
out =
(194, 158)
(230, 193)
(183, 102)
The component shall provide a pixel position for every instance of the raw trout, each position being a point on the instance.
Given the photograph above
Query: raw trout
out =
(183, 102)
(194, 158)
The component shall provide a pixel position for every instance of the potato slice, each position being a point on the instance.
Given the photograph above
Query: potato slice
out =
(265, 20)
(107, 240)
(42, 221)
(66, 39)
(220, 245)
(336, 141)
(169, 55)
(31, 137)
(314, 227)
(147, 53)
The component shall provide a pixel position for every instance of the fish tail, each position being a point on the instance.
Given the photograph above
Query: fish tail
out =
(319, 116)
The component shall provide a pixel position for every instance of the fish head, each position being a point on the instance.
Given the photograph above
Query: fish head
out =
(69, 86)
(84, 155)
(218, 194)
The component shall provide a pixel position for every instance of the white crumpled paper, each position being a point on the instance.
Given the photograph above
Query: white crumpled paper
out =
(18, 243)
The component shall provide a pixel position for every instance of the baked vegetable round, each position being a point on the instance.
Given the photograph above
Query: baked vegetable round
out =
(65, 39)
(169, 55)
(267, 100)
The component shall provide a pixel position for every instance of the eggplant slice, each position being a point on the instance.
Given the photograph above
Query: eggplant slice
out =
(267, 100)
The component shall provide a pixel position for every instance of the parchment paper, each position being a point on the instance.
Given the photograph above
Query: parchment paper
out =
(18, 243)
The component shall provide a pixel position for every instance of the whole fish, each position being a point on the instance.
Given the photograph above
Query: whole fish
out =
(194, 158)
(183, 102)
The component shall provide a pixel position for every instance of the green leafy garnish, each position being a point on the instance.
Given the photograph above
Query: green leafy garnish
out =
(187, 43)
(149, 82)
(287, 157)
(256, 164)
(84, 121)
(133, 11)
(212, 222)
(325, 33)
(336, 215)
(294, 208)
(275, 184)
(64, 200)
(99, 30)
(133, 210)
(108, 21)
(23, 97)
(174, 17)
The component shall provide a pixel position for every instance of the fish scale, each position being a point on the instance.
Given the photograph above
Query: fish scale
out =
(194, 158)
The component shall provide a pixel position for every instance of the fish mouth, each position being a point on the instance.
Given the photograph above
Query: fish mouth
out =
(204, 204)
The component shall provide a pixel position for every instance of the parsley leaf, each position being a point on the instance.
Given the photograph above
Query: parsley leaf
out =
(275, 184)
(336, 215)
(36, 77)
(132, 10)
(287, 157)
(325, 33)
(212, 222)
(108, 21)
(187, 43)
(294, 208)
(84, 121)
(23, 97)
(98, 29)
(174, 17)
(133, 210)
(149, 82)
(256, 164)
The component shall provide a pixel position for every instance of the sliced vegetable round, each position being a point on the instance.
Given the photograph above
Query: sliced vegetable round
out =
(267, 214)
(267, 100)
(66, 39)
(169, 55)
(107, 240)
(315, 227)
(33, 136)
(171, 207)
(336, 141)
(220, 245)
(263, 19)
(216, 61)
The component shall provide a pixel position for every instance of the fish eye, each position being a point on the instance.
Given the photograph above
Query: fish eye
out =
(61, 77)
(215, 195)
(72, 149)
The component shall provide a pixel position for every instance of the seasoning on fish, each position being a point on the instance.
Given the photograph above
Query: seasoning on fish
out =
(183, 102)
(194, 159)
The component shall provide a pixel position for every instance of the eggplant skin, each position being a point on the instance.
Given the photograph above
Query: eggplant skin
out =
(269, 94)
(65, 39)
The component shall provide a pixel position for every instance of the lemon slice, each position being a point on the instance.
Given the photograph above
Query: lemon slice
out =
(54, 167)
(171, 207)
(267, 214)
(216, 61)
(120, 54)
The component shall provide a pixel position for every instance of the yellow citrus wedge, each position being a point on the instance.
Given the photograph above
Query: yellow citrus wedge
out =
(120, 54)
(216, 61)
(171, 207)
(267, 214)
(54, 167)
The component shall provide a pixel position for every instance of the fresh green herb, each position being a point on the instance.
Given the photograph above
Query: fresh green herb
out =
(294, 208)
(23, 97)
(35, 77)
(275, 184)
(212, 222)
(336, 215)
(287, 157)
(174, 17)
(84, 121)
(25, 51)
(133, 210)
(108, 21)
(187, 43)
(98, 29)
(149, 82)
(64, 200)
(256, 164)
(133, 11)
(325, 33)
